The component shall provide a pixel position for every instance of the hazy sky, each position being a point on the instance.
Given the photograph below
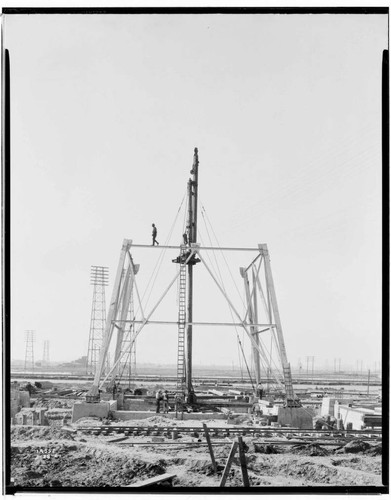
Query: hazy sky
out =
(286, 113)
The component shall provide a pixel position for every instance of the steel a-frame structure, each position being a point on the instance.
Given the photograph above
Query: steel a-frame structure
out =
(118, 315)
(260, 293)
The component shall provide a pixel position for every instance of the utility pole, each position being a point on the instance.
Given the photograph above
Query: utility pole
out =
(45, 358)
(308, 359)
(192, 187)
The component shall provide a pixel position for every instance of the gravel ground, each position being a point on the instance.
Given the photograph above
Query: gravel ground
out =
(45, 457)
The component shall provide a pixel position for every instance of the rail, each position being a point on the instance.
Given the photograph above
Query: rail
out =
(226, 431)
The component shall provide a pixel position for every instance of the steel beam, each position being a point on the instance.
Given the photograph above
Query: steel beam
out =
(199, 323)
(177, 247)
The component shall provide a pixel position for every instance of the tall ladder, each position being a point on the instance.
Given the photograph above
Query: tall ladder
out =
(181, 368)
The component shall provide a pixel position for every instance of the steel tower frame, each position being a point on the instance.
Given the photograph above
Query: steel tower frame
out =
(191, 253)
(99, 278)
(29, 352)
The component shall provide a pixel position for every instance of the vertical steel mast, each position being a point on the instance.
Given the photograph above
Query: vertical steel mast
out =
(192, 187)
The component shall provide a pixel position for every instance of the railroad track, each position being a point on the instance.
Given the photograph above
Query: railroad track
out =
(309, 434)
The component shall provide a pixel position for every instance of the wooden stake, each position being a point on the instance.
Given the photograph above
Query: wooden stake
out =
(229, 463)
(243, 465)
(212, 457)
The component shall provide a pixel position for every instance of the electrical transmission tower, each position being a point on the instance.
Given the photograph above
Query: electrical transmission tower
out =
(99, 279)
(45, 357)
(29, 354)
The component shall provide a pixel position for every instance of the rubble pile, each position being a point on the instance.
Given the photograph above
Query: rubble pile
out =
(374, 450)
(312, 450)
(28, 433)
(355, 446)
(74, 464)
(51, 404)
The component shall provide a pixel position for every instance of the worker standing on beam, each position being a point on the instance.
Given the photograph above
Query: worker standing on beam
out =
(154, 234)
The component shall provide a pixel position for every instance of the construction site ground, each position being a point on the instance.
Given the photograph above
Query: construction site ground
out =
(43, 457)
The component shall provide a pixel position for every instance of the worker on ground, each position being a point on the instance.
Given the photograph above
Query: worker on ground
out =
(177, 402)
(165, 401)
(159, 397)
(29, 388)
(154, 234)
(260, 391)
(256, 410)
(114, 389)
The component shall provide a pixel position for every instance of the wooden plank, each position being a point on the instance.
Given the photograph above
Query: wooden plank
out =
(153, 480)
(227, 467)
(176, 443)
(292, 443)
(212, 456)
(215, 392)
(69, 429)
(117, 440)
(243, 465)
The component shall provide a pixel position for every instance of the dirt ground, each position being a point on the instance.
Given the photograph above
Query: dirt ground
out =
(47, 457)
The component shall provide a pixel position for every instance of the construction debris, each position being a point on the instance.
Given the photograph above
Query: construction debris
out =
(55, 457)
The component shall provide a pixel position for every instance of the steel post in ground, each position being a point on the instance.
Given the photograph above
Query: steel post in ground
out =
(243, 465)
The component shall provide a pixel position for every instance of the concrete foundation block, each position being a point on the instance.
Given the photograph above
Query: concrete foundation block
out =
(267, 408)
(15, 408)
(100, 410)
(327, 406)
(24, 399)
(296, 417)
(341, 402)
(353, 418)
(138, 404)
(113, 405)
(106, 396)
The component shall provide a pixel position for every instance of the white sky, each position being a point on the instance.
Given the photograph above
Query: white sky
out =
(286, 113)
